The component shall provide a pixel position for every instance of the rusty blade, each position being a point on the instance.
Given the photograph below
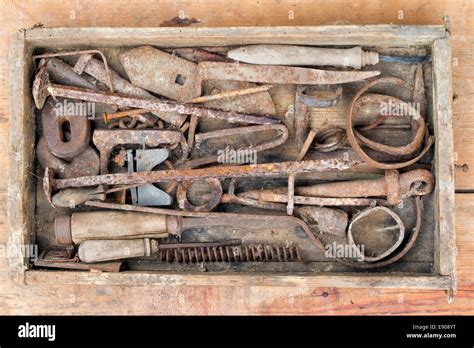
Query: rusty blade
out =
(157, 105)
(278, 74)
(259, 170)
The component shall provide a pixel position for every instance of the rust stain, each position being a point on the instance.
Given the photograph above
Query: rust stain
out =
(179, 22)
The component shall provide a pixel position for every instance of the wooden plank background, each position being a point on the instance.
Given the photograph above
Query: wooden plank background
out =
(156, 299)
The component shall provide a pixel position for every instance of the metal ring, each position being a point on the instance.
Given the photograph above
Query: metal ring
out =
(389, 251)
(351, 136)
(185, 204)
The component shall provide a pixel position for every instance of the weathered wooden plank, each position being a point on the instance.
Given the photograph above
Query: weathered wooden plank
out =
(444, 163)
(21, 152)
(383, 35)
(190, 279)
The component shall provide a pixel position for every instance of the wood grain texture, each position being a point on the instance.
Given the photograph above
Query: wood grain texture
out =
(174, 299)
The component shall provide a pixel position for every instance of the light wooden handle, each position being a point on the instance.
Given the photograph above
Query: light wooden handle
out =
(106, 250)
(72, 197)
(120, 225)
(302, 55)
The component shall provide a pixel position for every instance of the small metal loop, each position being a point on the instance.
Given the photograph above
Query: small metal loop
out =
(127, 123)
(185, 204)
(330, 139)
(308, 98)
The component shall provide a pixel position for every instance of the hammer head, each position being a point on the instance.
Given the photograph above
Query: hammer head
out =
(40, 87)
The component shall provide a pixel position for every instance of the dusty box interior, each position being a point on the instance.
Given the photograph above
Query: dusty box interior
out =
(422, 259)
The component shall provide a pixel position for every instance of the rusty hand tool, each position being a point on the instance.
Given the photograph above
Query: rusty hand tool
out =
(63, 73)
(269, 221)
(328, 220)
(97, 70)
(137, 223)
(106, 140)
(275, 74)
(261, 170)
(76, 53)
(178, 79)
(302, 55)
(181, 80)
(394, 186)
(55, 257)
(42, 88)
(238, 131)
(354, 137)
(72, 197)
(225, 251)
(67, 132)
(77, 227)
(244, 221)
(107, 250)
(86, 163)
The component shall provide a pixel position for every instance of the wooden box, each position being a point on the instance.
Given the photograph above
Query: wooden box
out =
(23, 185)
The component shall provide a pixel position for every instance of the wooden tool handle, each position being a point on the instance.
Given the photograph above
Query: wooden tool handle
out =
(106, 250)
(302, 55)
(72, 197)
(121, 225)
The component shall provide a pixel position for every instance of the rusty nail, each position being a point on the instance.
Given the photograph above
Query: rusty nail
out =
(230, 94)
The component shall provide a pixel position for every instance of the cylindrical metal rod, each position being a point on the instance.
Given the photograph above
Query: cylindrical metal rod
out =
(157, 105)
(259, 170)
